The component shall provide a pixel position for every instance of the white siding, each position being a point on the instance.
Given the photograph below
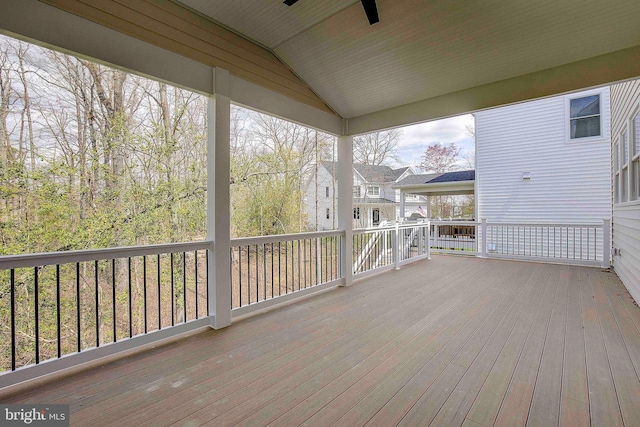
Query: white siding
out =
(570, 180)
(626, 216)
(319, 189)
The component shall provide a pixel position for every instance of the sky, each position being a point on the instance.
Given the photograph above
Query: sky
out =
(416, 138)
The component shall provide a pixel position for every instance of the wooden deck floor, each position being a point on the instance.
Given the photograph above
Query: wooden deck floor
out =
(451, 341)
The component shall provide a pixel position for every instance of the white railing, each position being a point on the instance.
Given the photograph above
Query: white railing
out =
(587, 244)
(375, 249)
(459, 237)
(59, 305)
(269, 268)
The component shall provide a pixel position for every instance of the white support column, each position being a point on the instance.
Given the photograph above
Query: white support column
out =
(218, 210)
(606, 243)
(429, 207)
(345, 206)
(402, 201)
(483, 242)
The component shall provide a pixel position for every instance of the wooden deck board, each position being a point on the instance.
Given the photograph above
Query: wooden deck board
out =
(450, 341)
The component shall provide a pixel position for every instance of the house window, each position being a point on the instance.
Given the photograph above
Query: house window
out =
(356, 191)
(584, 117)
(328, 212)
(616, 174)
(635, 158)
(624, 162)
(326, 191)
(356, 213)
(373, 191)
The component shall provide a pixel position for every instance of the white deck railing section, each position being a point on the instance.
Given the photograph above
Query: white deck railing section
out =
(282, 266)
(64, 303)
(583, 244)
(56, 306)
(375, 249)
(586, 244)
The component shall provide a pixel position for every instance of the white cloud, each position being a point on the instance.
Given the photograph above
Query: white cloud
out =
(416, 138)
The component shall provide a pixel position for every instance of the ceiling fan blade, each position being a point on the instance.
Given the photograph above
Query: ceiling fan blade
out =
(289, 2)
(371, 10)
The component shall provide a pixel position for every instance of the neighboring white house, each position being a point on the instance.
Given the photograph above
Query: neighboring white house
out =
(625, 162)
(374, 201)
(545, 160)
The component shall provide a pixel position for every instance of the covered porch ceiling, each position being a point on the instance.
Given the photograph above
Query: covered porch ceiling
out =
(424, 60)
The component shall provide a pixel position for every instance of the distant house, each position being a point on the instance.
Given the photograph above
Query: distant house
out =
(374, 198)
(625, 136)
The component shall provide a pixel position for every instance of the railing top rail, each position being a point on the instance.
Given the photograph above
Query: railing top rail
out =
(547, 224)
(452, 222)
(52, 258)
(390, 227)
(245, 241)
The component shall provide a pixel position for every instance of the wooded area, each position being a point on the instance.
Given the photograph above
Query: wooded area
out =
(95, 157)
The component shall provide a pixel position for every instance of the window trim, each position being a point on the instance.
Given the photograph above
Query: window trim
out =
(567, 117)
(373, 193)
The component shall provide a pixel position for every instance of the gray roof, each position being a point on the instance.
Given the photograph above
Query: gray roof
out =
(372, 173)
(434, 178)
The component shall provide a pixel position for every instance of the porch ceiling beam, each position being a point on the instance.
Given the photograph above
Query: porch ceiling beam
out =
(596, 71)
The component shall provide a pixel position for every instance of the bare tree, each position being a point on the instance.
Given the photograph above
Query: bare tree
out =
(376, 148)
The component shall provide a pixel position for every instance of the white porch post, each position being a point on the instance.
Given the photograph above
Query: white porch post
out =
(402, 194)
(483, 234)
(606, 243)
(218, 211)
(429, 207)
(345, 206)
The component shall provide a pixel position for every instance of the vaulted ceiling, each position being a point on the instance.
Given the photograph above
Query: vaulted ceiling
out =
(424, 59)
(424, 49)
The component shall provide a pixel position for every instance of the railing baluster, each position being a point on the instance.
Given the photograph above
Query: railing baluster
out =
(299, 265)
(173, 283)
(13, 318)
(95, 272)
(130, 299)
(264, 270)
(272, 270)
(113, 298)
(240, 274)
(58, 317)
(195, 268)
(248, 274)
(79, 342)
(207, 279)
(144, 284)
(37, 313)
(160, 292)
(257, 275)
(184, 286)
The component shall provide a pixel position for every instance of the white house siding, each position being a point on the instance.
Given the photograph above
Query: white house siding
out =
(625, 98)
(318, 188)
(570, 180)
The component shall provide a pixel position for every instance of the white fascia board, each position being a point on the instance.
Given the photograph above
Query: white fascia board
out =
(406, 173)
(48, 26)
(589, 73)
(256, 97)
